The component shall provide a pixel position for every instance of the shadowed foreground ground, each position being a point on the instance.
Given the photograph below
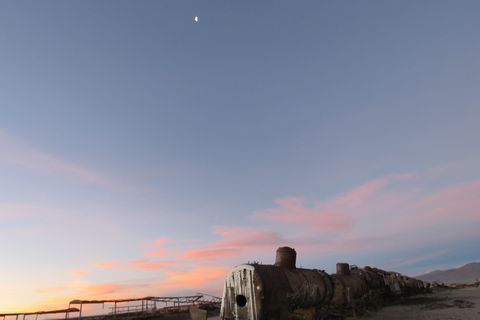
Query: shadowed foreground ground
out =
(442, 304)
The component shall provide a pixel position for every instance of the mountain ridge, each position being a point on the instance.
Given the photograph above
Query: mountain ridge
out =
(467, 273)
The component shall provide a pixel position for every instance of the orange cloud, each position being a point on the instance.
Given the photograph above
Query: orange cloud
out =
(110, 265)
(197, 278)
(148, 265)
(105, 290)
(78, 272)
(78, 290)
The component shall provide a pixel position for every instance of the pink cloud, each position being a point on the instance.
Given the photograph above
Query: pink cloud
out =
(440, 169)
(234, 244)
(291, 210)
(375, 213)
(456, 192)
(457, 203)
(359, 195)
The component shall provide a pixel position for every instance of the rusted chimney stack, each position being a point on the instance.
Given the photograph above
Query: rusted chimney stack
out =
(343, 268)
(286, 257)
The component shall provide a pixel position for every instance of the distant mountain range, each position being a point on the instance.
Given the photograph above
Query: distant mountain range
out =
(465, 274)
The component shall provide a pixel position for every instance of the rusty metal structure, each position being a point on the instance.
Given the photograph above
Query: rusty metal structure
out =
(284, 292)
(127, 309)
(38, 313)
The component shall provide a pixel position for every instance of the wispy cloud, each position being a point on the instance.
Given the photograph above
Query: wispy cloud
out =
(357, 197)
(11, 210)
(78, 272)
(423, 257)
(17, 152)
(159, 253)
(156, 243)
(449, 205)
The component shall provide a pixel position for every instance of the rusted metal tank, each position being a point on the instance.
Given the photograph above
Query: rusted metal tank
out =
(349, 289)
(392, 285)
(374, 280)
(276, 291)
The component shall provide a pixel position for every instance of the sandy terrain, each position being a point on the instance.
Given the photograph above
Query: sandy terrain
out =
(442, 304)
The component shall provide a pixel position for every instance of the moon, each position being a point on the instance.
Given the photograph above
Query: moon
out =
(196, 19)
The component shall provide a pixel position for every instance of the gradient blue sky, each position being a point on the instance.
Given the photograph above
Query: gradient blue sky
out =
(143, 153)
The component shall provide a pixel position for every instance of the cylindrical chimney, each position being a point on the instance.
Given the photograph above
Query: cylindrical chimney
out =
(343, 268)
(286, 257)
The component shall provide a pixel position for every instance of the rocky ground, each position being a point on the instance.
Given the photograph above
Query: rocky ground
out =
(442, 304)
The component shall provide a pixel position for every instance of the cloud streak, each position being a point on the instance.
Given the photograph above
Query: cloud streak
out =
(17, 152)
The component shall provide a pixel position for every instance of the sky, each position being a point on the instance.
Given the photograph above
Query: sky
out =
(143, 153)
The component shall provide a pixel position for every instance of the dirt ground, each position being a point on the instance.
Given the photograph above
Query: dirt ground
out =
(442, 304)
